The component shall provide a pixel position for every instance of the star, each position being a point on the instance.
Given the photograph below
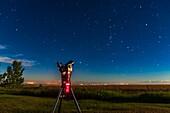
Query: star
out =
(13, 10)
(113, 53)
(114, 36)
(160, 36)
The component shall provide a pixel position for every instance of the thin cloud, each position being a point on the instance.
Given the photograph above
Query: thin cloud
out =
(2, 47)
(25, 62)
(18, 55)
(6, 60)
(155, 81)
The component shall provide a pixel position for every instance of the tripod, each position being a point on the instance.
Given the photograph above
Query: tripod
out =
(61, 98)
(64, 92)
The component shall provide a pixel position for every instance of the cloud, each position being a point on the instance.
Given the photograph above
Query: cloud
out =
(25, 62)
(18, 55)
(6, 60)
(2, 47)
(155, 81)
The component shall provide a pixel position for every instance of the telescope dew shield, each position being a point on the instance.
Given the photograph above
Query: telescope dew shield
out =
(59, 64)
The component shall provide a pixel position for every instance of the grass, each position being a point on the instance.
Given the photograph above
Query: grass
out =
(104, 99)
(28, 104)
(104, 95)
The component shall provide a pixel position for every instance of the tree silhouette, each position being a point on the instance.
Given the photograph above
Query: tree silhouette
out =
(13, 78)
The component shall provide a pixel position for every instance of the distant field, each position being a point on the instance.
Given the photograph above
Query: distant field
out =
(115, 98)
(135, 88)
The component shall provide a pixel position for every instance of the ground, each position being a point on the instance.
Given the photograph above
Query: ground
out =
(29, 104)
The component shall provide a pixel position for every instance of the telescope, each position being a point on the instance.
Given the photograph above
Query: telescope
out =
(66, 91)
(66, 71)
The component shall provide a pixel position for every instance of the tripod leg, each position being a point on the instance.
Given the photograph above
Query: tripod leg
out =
(59, 109)
(57, 100)
(75, 101)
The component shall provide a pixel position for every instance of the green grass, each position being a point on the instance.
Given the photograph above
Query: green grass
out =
(104, 95)
(28, 104)
(91, 99)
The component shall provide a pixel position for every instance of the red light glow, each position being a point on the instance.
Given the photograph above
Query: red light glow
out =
(67, 84)
(67, 87)
(68, 72)
(67, 90)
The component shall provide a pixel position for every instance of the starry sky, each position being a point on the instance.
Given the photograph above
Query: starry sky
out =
(109, 40)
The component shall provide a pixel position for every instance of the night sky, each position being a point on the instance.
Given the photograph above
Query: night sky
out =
(110, 41)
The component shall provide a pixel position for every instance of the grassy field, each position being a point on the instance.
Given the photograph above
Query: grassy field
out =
(130, 99)
(23, 104)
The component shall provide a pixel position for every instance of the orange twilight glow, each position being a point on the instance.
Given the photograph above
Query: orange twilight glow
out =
(30, 82)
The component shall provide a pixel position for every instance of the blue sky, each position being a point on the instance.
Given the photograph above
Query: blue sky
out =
(109, 41)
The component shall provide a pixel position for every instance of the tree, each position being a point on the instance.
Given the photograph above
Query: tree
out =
(2, 79)
(13, 78)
